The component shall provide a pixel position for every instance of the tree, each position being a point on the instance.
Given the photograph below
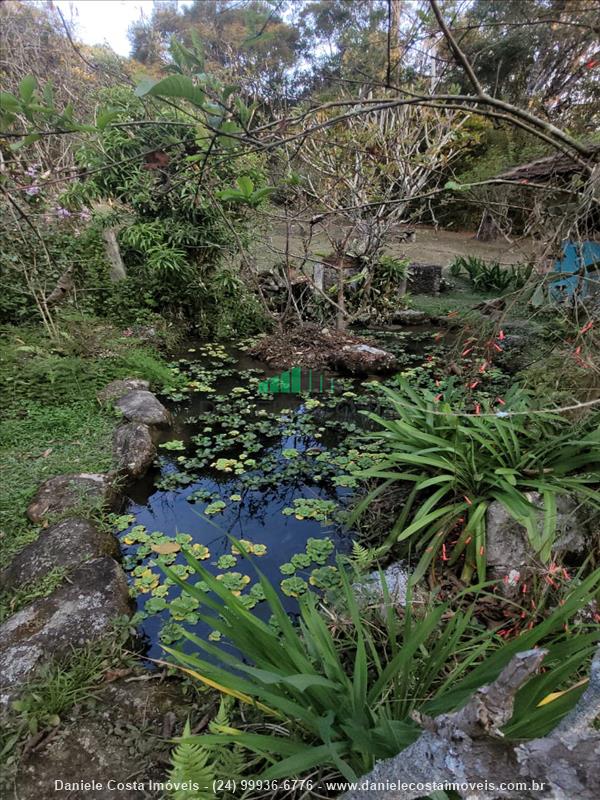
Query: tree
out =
(374, 169)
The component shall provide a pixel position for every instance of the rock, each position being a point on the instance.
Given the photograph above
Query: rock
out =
(424, 278)
(124, 739)
(363, 359)
(396, 578)
(141, 406)
(66, 545)
(508, 551)
(76, 613)
(133, 449)
(116, 389)
(65, 492)
(409, 316)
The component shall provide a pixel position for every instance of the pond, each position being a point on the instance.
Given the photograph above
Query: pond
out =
(271, 470)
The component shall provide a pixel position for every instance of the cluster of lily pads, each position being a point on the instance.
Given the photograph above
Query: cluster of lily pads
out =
(323, 577)
(245, 445)
(241, 437)
(147, 552)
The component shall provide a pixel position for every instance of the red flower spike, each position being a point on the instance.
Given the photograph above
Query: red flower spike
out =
(587, 327)
(501, 336)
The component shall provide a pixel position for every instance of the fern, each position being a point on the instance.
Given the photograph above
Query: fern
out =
(363, 557)
(195, 765)
(222, 717)
(191, 768)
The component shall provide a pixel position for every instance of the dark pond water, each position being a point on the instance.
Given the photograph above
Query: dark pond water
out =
(271, 471)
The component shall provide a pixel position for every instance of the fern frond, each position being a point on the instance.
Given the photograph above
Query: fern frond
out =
(364, 557)
(191, 771)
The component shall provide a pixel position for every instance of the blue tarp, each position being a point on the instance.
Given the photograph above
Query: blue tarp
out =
(573, 265)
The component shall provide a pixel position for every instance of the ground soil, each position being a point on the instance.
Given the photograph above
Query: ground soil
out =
(430, 246)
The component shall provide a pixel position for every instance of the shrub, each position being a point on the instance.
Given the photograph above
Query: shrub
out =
(492, 276)
(459, 464)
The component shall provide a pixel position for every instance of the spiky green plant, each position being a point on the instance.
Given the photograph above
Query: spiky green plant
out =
(344, 703)
(460, 464)
(491, 276)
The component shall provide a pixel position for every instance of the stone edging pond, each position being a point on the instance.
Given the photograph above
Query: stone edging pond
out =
(83, 608)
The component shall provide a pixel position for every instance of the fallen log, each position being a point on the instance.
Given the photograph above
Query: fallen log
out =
(467, 748)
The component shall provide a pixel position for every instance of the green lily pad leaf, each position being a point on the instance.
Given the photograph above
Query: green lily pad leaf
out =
(294, 587)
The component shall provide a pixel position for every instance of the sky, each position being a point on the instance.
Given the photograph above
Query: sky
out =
(106, 21)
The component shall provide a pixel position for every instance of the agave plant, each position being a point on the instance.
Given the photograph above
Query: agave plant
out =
(344, 701)
(459, 464)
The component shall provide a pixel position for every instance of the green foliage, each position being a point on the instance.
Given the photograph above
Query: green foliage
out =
(245, 193)
(52, 422)
(59, 685)
(181, 240)
(459, 464)
(190, 767)
(347, 702)
(192, 763)
(491, 276)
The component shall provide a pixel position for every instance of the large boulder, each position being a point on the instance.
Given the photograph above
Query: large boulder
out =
(144, 407)
(116, 389)
(133, 449)
(78, 612)
(66, 545)
(66, 492)
(363, 359)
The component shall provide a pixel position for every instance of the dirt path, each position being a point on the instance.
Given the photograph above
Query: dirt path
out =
(430, 246)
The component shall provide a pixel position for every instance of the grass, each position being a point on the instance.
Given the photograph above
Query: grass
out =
(53, 423)
(47, 441)
(462, 298)
(75, 679)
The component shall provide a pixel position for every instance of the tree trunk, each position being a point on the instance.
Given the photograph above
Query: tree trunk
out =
(488, 230)
(113, 254)
(341, 301)
(62, 289)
